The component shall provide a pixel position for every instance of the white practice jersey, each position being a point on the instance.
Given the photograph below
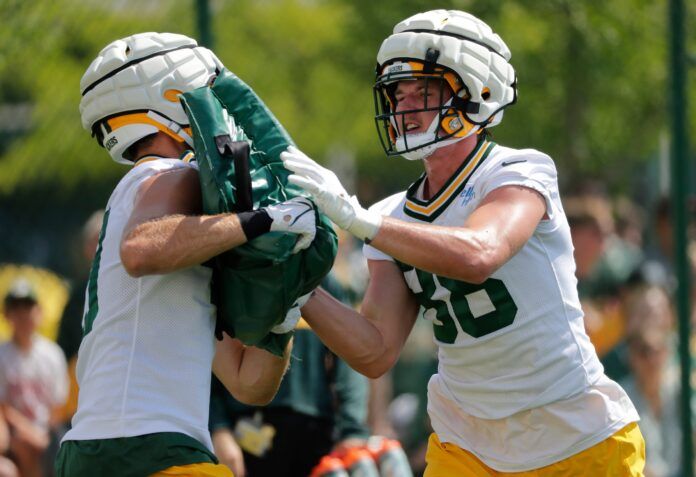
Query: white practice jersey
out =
(514, 358)
(144, 364)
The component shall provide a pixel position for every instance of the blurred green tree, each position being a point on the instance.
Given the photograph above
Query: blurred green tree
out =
(591, 76)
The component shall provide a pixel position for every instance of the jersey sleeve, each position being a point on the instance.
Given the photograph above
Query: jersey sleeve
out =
(351, 391)
(128, 188)
(530, 169)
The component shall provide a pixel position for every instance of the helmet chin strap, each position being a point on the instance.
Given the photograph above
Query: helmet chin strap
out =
(424, 144)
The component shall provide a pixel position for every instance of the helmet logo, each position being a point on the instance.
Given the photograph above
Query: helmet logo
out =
(454, 123)
(397, 67)
(110, 143)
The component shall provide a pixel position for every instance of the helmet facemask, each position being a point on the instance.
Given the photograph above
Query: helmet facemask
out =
(463, 51)
(443, 93)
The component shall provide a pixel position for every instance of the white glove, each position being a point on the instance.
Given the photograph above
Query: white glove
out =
(295, 216)
(292, 316)
(330, 196)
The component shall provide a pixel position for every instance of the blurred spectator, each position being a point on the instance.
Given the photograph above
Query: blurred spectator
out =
(33, 382)
(590, 225)
(398, 399)
(660, 242)
(350, 267)
(630, 222)
(321, 406)
(606, 266)
(7, 467)
(408, 412)
(660, 246)
(653, 384)
(70, 328)
(52, 291)
(605, 261)
(692, 260)
(381, 395)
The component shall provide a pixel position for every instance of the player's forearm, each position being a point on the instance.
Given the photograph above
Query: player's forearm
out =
(260, 374)
(178, 241)
(350, 335)
(454, 252)
(250, 374)
(4, 433)
(25, 431)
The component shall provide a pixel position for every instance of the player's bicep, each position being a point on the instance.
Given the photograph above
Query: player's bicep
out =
(175, 192)
(508, 216)
(389, 304)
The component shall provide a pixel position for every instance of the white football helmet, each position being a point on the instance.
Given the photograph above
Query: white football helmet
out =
(132, 88)
(447, 49)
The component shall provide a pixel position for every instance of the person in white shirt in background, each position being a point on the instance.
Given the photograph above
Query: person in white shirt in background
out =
(33, 381)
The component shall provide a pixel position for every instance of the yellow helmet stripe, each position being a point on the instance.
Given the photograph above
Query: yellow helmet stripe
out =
(416, 71)
(141, 118)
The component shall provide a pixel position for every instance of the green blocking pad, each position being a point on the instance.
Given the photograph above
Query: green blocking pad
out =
(238, 143)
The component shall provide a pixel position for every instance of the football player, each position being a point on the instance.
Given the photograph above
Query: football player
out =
(480, 243)
(144, 365)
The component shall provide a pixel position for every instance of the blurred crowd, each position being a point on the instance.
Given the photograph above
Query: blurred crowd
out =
(325, 410)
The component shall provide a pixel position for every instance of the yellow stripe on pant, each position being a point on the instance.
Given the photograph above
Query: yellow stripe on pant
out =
(204, 469)
(621, 455)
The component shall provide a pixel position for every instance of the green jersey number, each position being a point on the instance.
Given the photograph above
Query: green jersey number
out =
(479, 309)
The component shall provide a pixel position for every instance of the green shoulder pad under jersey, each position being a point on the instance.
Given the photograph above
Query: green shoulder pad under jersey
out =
(238, 143)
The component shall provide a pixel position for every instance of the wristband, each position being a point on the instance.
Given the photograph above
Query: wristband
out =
(255, 223)
(365, 225)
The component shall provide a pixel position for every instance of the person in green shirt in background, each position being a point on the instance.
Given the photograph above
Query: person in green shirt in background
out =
(321, 406)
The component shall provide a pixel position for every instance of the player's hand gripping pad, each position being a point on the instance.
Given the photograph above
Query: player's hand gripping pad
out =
(238, 143)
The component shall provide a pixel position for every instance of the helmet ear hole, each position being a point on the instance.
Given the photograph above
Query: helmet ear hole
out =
(131, 152)
(485, 93)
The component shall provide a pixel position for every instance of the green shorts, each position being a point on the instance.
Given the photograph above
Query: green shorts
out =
(138, 456)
